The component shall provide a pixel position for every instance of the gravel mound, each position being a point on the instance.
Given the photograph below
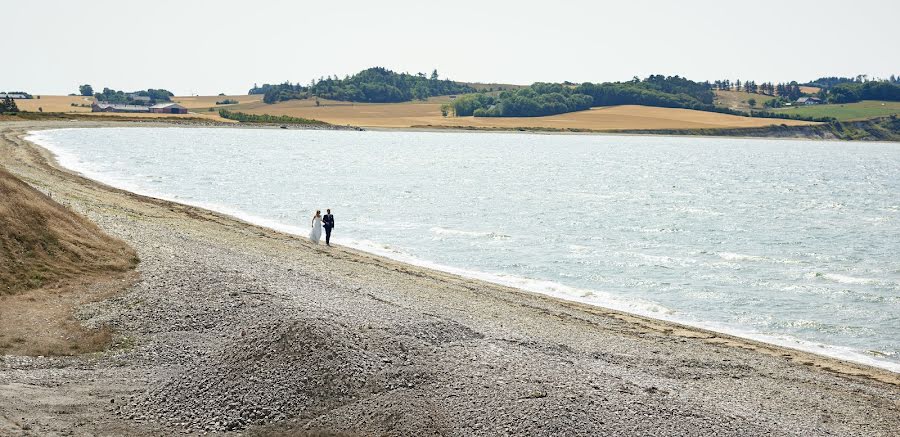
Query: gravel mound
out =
(295, 368)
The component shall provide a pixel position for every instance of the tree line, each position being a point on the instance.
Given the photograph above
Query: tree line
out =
(375, 85)
(537, 100)
(849, 92)
(542, 99)
(266, 118)
(128, 98)
(832, 81)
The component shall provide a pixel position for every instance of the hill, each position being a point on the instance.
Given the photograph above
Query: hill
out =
(374, 85)
(409, 114)
(46, 254)
(542, 99)
(740, 101)
(846, 111)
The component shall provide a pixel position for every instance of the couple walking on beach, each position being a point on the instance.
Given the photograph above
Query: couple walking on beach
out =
(315, 234)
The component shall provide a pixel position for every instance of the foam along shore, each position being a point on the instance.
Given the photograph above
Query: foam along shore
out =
(595, 297)
(233, 326)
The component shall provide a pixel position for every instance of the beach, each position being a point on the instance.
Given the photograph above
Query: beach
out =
(235, 328)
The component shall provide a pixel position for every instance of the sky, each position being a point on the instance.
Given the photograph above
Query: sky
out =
(224, 46)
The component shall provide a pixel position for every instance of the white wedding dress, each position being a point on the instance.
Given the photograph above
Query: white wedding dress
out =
(316, 232)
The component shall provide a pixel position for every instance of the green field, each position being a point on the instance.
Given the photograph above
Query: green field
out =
(846, 111)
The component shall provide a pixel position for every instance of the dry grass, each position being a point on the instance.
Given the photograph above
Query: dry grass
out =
(737, 100)
(398, 115)
(51, 260)
(56, 104)
(809, 89)
(428, 112)
(204, 102)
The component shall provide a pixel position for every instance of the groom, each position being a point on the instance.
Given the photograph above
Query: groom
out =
(328, 223)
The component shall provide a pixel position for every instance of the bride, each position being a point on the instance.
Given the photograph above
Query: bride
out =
(316, 232)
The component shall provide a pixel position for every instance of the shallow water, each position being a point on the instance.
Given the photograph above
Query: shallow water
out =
(792, 242)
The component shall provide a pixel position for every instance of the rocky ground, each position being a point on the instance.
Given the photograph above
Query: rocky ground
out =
(235, 329)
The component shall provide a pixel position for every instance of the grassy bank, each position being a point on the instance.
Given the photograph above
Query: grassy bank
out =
(877, 129)
(52, 260)
(845, 111)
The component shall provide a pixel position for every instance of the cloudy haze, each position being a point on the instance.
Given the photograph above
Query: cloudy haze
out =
(208, 47)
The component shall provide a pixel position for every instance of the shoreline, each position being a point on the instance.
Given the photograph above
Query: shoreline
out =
(548, 288)
(664, 133)
(798, 345)
(518, 334)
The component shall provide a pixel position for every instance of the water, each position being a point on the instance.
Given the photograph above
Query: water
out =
(792, 242)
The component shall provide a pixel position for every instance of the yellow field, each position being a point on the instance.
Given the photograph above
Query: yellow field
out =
(809, 89)
(425, 113)
(428, 113)
(203, 102)
(55, 104)
(737, 100)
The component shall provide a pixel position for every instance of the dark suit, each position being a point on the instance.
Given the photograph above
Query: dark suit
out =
(328, 224)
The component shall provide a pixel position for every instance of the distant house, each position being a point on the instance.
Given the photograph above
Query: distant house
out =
(115, 107)
(15, 96)
(809, 101)
(168, 108)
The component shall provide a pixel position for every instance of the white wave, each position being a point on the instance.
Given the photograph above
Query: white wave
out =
(739, 257)
(462, 233)
(591, 297)
(730, 256)
(844, 279)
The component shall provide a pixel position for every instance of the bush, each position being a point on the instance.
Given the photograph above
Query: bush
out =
(266, 118)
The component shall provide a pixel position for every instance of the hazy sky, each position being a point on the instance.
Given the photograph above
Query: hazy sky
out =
(207, 47)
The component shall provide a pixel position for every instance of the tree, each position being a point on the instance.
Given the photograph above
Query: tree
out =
(86, 90)
(434, 74)
(8, 105)
(751, 102)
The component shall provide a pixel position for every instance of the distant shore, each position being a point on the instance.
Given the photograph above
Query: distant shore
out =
(885, 129)
(336, 339)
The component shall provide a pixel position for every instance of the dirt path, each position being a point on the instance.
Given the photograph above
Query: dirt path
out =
(238, 329)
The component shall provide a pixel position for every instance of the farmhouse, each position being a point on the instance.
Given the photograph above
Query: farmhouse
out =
(809, 101)
(168, 108)
(15, 96)
(114, 107)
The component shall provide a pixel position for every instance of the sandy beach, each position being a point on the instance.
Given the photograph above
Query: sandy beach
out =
(237, 329)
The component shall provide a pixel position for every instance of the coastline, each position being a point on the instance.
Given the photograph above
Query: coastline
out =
(647, 310)
(111, 207)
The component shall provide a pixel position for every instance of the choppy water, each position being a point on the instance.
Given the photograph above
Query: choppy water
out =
(791, 242)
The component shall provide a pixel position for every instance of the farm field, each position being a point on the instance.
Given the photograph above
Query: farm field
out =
(204, 102)
(847, 111)
(809, 89)
(428, 113)
(398, 115)
(55, 104)
(737, 100)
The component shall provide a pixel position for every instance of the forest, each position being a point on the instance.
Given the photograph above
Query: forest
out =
(374, 85)
(536, 100)
(542, 99)
(849, 92)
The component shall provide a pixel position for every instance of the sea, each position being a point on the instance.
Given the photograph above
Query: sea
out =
(790, 242)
